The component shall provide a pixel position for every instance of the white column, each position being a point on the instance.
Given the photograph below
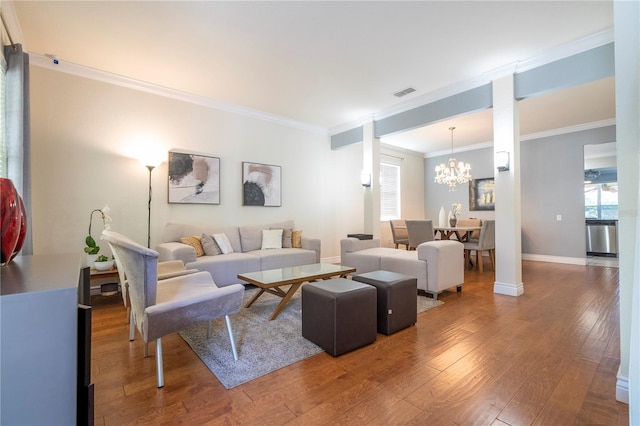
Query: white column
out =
(371, 165)
(506, 137)
(627, 56)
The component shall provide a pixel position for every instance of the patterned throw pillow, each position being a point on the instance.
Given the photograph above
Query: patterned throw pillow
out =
(286, 237)
(223, 243)
(296, 239)
(195, 243)
(209, 245)
(271, 239)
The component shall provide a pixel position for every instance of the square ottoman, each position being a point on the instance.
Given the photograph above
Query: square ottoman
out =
(397, 304)
(339, 315)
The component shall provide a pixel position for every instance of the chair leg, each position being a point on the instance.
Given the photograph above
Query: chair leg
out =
(128, 314)
(233, 343)
(479, 260)
(132, 327)
(492, 256)
(159, 363)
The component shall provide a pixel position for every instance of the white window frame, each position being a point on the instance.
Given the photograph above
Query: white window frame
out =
(390, 192)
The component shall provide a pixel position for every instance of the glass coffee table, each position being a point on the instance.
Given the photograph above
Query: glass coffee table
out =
(271, 281)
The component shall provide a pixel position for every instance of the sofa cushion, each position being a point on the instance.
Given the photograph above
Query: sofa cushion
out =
(225, 269)
(367, 260)
(271, 239)
(209, 245)
(284, 258)
(194, 242)
(406, 263)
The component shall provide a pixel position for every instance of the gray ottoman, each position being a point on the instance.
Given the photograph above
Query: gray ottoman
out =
(339, 315)
(397, 304)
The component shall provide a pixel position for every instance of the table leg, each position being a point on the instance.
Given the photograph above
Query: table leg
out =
(285, 299)
(255, 297)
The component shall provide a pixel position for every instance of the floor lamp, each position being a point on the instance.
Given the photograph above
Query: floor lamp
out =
(150, 167)
(150, 162)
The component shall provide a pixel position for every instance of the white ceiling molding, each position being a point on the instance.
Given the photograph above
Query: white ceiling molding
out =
(529, 137)
(570, 49)
(119, 80)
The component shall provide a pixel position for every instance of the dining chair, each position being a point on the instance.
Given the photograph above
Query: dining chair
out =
(486, 242)
(399, 233)
(420, 231)
(161, 307)
(472, 221)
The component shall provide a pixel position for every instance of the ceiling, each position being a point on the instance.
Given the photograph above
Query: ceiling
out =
(328, 63)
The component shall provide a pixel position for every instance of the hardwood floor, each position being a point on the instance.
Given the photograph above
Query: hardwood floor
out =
(548, 357)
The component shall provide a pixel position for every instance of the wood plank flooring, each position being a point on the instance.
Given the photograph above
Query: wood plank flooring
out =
(548, 357)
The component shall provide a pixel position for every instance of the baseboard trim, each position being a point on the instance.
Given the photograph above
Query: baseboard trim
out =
(508, 289)
(554, 259)
(622, 388)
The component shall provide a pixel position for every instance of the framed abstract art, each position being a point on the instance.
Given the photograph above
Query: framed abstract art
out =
(482, 195)
(261, 185)
(193, 178)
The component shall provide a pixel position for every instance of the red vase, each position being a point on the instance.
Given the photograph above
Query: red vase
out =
(23, 228)
(10, 219)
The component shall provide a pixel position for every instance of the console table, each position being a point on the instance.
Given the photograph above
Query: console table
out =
(38, 335)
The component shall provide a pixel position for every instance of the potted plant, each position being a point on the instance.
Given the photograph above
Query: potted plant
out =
(103, 263)
(92, 249)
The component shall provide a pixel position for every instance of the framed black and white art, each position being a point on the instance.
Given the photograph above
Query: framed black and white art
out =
(261, 185)
(193, 178)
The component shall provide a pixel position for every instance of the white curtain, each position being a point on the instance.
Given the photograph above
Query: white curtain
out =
(18, 130)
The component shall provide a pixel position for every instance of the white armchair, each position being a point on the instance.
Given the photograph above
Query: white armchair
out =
(167, 306)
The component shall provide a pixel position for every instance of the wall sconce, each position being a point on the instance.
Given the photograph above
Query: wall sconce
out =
(365, 179)
(502, 161)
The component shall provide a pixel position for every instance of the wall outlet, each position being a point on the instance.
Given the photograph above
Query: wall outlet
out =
(559, 217)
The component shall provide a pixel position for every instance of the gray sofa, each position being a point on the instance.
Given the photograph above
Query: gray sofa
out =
(247, 254)
(437, 265)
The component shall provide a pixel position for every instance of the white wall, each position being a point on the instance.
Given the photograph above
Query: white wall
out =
(85, 135)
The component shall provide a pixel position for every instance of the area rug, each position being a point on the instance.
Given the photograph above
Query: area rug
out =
(263, 346)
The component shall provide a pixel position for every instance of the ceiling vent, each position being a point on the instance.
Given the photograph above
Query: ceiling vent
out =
(404, 92)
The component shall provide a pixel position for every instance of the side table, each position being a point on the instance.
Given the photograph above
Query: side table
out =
(105, 283)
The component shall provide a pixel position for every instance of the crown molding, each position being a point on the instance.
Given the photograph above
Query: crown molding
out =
(155, 89)
(529, 137)
(569, 129)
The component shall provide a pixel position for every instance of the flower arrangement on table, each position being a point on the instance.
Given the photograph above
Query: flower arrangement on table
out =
(92, 247)
(456, 209)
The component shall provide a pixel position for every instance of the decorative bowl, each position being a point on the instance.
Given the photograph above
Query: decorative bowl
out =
(103, 266)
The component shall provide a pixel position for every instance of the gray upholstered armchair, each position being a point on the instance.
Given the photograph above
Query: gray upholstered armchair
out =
(168, 269)
(166, 306)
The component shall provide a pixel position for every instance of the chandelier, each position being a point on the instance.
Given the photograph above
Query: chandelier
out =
(453, 173)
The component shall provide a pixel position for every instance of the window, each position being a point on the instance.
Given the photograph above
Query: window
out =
(601, 200)
(389, 191)
(3, 118)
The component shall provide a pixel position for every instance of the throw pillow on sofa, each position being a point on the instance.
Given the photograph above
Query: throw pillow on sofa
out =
(209, 245)
(286, 237)
(195, 243)
(223, 243)
(271, 239)
(296, 239)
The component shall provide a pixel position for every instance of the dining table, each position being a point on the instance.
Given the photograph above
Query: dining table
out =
(462, 233)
